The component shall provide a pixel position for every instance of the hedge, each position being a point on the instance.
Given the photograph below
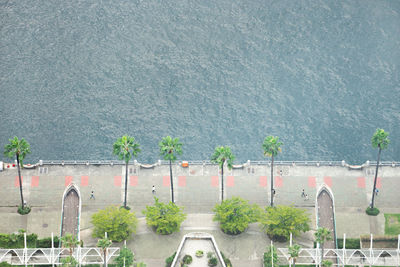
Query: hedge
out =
(17, 241)
(351, 243)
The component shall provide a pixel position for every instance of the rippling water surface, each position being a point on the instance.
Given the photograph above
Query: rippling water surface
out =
(322, 75)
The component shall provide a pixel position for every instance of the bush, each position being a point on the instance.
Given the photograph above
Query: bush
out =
(118, 223)
(278, 222)
(125, 258)
(187, 259)
(199, 253)
(271, 256)
(235, 214)
(17, 240)
(372, 211)
(46, 242)
(164, 218)
(212, 261)
(24, 210)
(351, 243)
(169, 260)
(226, 260)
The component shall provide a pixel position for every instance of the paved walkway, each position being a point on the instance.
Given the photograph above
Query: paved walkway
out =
(198, 190)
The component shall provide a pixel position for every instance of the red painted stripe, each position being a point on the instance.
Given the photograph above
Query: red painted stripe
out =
(182, 180)
(16, 182)
(263, 181)
(133, 180)
(230, 181)
(84, 180)
(214, 181)
(68, 180)
(312, 181)
(278, 181)
(361, 182)
(166, 181)
(378, 182)
(35, 181)
(117, 181)
(328, 181)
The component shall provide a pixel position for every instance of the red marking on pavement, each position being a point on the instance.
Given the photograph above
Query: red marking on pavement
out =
(328, 181)
(214, 181)
(84, 180)
(312, 182)
(16, 182)
(182, 180)
(230, 182)
(278, 181)
(133, 180)
(361, 182)
(117, 181)
(166, 181)
(68, 180)
(35, 181)
(263, 181)
(378, 182)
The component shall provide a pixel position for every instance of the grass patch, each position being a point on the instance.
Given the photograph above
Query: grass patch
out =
(392, 224)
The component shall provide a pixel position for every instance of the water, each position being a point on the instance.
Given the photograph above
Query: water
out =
(321, 75)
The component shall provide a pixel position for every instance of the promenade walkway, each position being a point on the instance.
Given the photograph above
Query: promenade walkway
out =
(197, 188)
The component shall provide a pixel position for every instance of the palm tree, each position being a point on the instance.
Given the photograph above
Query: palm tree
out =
(379, 140)
(125, 148)
(19, 149)
(169, 148)
(294, 253)
(321, 235)
(272, 147)
(69, 241)
(104, 243)
(220, 156)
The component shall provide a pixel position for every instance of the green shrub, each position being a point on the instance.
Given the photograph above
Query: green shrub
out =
(351, 243)
(187, 259)
(125, 258)
(199, 253)
(372, 211)
(210, 255)
(235, 214)
(212, 261)
(24, 210)
(226, 260)
(165, 218)
(278, 222)
(118, 223)
(169, 260)
(46, 242)
(270, 256)
(5, 264)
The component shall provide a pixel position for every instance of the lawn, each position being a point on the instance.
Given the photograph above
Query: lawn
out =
(392, 224)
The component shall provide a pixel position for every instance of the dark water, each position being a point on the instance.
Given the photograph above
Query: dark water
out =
(322, 75)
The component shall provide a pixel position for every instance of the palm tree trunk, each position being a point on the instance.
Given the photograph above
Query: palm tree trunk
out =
(172, 183)
(322, 254)
(20, 183)
(126, 181)
(222, 182)
(272, 181)
(376, 176)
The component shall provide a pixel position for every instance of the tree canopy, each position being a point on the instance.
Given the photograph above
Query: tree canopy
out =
(380, 139)
(235, 214)
(119, 223)
(165, 218)
(271, 146)
(170, 148)
(278, 222)
(221, 155)
(17, 147)
(125, 148)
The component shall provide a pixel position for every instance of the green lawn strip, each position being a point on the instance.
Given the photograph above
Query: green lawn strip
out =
(392, 224)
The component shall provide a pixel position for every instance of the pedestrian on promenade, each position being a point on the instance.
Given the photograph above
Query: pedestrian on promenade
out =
(303, 194)
(92, 195)
(153, 189)
(306, 197)
(376, 191)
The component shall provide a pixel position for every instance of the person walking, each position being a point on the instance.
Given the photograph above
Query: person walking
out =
(306, 197)
(303, 194)
(92, 195)
(153, 189)
(376, 191)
